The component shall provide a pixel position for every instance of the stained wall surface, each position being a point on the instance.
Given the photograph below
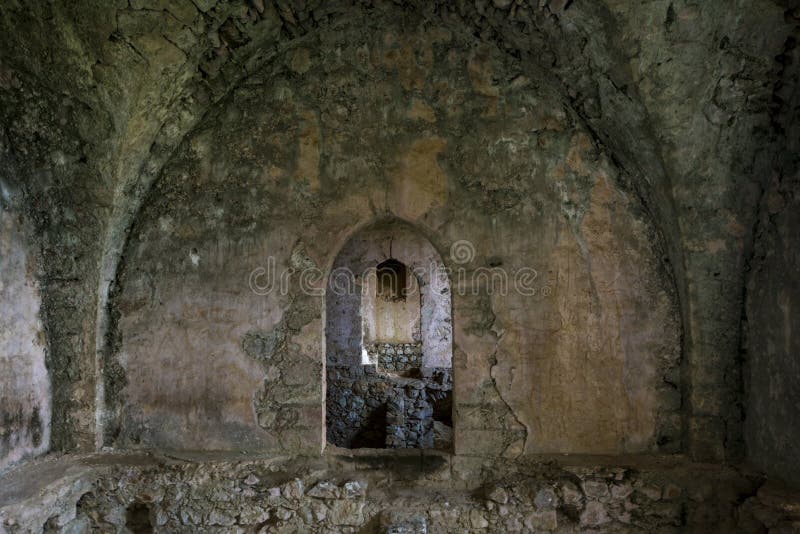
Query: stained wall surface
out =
(772, 425)
(387, 320)
(24, 382)
(693, 99)
(220, 309)
(771, 340)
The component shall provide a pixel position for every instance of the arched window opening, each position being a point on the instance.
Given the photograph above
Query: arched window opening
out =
(390, 316)
(392, 280)
(389, 343)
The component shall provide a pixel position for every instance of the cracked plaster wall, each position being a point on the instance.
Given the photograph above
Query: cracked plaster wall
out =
(418, 123)
(688, 98)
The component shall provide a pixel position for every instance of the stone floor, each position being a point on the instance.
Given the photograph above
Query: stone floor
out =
(387, 491)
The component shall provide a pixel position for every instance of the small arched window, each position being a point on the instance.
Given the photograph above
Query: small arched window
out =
(392, 280)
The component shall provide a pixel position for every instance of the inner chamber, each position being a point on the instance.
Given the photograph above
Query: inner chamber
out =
(389, 347)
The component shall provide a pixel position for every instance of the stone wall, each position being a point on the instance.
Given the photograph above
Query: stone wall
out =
(412, 494)
(96, 97)
(356, 399)
(366, 407)
(419, 413)
(396, 357)
(25, 397)
(409, 417)
(468, 147)
(772, 338)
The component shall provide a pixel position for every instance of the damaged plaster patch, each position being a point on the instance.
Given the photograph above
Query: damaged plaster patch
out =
(419, 184)
(194, 257)
(265, 347)
(286, 396)
(308, 156)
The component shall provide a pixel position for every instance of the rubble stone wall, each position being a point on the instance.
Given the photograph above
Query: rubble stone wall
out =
(409, 418)
(412, 494)
(396, 357)
(368, 408)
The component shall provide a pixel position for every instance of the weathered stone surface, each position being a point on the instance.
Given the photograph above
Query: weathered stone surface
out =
(403, 522)
(772, 342)
(546, 520)
(631, 164)
(366, 408)
(324, 490)
(499, 495)
(546, 499)
(591, 259)
(594, 515)
(595, 489)
(119, 492)
(477, 519)
(396, 358)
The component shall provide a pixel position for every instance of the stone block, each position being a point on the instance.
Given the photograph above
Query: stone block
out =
(346, 512)
(594, 515)
(541, 520)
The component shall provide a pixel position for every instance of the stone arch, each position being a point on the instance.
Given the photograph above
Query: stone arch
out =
(384, 388)
(360, 255)
(137, 179)
(441, 177)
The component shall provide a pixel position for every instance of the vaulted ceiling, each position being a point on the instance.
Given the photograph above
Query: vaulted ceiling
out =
(695, 100)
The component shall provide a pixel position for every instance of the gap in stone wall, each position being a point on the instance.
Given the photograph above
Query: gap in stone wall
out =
(390, 396)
